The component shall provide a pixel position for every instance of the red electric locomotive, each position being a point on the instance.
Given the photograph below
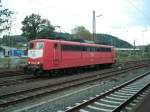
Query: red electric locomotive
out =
(48, 55)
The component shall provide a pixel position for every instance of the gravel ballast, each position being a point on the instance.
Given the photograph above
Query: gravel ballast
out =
(63, 99)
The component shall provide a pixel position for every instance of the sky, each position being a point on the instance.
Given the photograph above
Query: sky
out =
(127, 19)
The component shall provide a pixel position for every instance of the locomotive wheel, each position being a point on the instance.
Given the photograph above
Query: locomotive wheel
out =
(26, 70)
(37, 72)
(54, 73)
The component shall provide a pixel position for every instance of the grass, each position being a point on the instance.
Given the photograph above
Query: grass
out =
(12, 63)
(130, 56)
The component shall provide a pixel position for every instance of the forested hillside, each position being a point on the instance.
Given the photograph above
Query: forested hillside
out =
(112, 40)
(100, 39)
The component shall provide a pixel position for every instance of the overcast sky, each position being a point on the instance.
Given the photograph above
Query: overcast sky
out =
(126, 19)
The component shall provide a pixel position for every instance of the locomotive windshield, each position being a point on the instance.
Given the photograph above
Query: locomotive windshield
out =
(39, 45)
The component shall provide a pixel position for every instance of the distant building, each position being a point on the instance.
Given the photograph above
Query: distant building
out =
(12, 52)
(128, 49)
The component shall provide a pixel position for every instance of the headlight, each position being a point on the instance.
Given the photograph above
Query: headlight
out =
(29, 62)
(38, 62)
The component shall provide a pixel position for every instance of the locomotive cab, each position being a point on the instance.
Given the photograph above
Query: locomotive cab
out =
(35, 56)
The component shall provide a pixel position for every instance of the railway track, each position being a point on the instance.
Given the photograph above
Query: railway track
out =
(18, 80)
(120, 98)
(10, 73)
(10, 98)
(10, 78)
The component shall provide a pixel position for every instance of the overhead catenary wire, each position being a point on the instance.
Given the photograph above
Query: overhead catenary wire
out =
(146, 16)
(53, 7)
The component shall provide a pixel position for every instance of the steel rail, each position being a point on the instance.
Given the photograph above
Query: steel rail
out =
(111, 92)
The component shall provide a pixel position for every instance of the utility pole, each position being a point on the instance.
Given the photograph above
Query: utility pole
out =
(143, 42)
(134, 48)
(94, 27)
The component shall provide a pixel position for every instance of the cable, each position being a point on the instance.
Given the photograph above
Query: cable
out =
(145, 15)
(50, 7)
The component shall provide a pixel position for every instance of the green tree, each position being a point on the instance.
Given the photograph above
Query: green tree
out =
(147, 51)
(147, 48)
(82, 33)
(46, 30)
(35, 27)
(5, 18)
(0, 41)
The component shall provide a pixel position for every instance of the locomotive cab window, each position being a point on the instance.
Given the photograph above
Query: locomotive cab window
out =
(39, 45)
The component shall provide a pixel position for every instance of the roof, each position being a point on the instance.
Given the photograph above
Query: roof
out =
(127, 49)
(71, 42)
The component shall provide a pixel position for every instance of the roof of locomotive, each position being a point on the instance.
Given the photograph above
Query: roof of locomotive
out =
(70, 42)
